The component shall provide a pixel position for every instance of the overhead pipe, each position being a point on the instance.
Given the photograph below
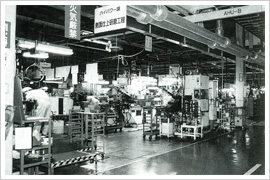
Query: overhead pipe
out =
(144, 18)
(160, 13)
(192, 10)
(178, 9)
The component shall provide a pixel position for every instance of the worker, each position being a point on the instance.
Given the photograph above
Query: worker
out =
(43, 109)
(94, 103)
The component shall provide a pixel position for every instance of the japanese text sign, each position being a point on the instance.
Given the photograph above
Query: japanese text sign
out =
(148, 43)
(7, 34)
(73, 21)
(110, 18)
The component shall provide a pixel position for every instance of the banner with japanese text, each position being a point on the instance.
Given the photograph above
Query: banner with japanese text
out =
(73, 21)
(110, 18)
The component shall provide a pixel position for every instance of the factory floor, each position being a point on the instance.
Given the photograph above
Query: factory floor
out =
(238, 152)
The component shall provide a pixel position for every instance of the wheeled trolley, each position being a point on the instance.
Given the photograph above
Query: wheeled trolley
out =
(150, 123)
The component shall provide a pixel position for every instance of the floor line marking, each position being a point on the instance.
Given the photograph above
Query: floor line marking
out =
(253, 169)
(165, 152)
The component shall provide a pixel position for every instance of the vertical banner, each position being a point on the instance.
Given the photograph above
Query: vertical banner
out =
(7, 34)
(73, 22)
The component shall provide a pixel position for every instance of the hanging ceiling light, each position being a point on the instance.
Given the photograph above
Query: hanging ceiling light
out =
(107, 44)
(36, 55)
(54, 49)
(26, 44)
(98, 41)
(49, 48)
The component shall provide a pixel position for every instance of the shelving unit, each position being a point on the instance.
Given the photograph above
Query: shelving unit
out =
(75, 126)
(94, 127)
(150, 123)
(44, 154)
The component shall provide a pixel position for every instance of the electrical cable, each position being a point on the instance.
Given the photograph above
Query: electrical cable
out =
(127, 56)
(124, 61)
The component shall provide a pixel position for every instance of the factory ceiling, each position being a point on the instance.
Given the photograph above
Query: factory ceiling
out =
(46, 23)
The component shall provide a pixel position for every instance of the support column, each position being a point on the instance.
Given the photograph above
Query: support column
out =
(9, 69)
(240, 69)
(250, 40)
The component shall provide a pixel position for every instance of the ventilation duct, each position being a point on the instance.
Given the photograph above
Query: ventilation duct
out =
(172, 20)
(175, 29)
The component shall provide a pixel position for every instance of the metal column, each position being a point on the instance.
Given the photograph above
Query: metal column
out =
(240, 69)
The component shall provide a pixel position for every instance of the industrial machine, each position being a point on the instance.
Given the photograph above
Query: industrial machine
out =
(197, 86)
(240, 117)
(213, 94)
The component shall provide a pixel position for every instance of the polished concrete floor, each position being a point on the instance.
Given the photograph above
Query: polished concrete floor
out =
(220, 153)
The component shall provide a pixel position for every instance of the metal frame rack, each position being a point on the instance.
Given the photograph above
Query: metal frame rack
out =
(88, 126)
(34, 163)
(150, 123)
(95, 125)
(75, 126)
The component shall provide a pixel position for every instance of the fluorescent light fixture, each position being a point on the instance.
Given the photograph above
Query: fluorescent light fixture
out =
(85, 33)
(184, 45)
(98, 42)
(26, 44)
(38, 55)
(108, 44)
(54, 49)
(49, 48)
(173, 41)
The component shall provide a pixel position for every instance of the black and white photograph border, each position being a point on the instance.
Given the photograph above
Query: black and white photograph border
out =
(132, 90)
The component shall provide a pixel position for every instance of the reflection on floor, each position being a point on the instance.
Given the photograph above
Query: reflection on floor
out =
(226, 153)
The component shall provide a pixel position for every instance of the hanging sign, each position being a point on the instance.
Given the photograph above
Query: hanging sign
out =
(73, 21)
(7, 34)
(148, 43)
(110, 18)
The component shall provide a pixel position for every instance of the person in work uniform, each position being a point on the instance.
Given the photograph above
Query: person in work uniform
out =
(94, 102)
(43, 109)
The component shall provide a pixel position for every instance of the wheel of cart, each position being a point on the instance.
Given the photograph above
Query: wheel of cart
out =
(150, 124)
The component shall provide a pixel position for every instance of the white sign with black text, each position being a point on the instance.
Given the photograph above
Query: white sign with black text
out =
(110, 18)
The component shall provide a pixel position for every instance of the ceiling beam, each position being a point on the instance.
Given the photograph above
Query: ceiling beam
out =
(62, 7)
(227, 13)
(41, 22)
